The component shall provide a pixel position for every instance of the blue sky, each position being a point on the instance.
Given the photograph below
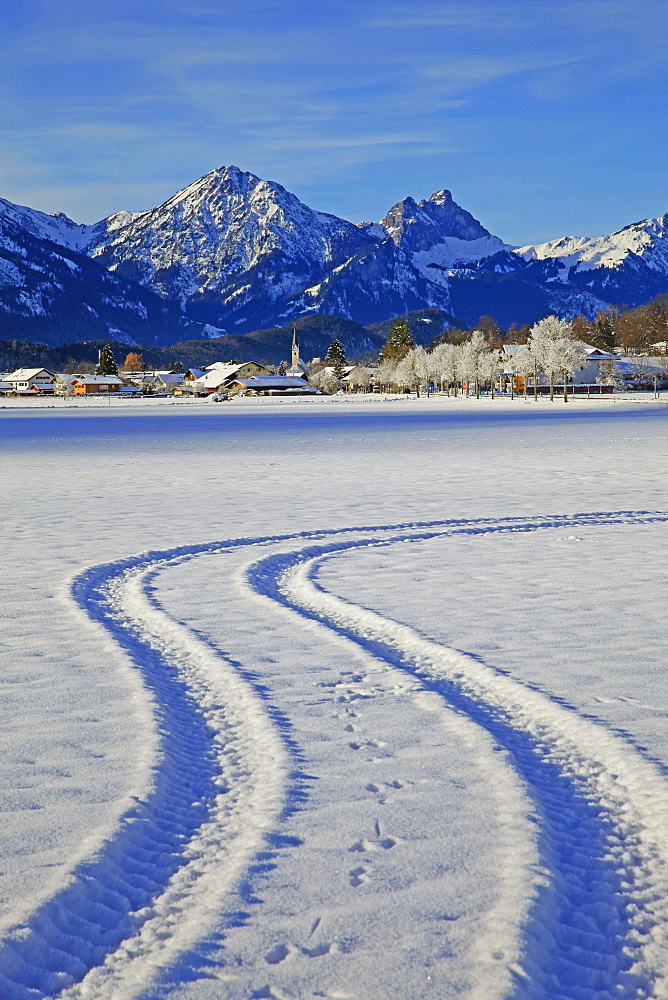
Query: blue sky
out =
(543, 118)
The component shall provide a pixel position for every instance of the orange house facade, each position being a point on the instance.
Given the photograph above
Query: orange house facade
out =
(83, 385)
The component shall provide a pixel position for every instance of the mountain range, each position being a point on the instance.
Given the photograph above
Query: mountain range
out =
(232, 254)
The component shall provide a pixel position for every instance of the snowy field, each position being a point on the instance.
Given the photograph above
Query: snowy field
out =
(360, 699)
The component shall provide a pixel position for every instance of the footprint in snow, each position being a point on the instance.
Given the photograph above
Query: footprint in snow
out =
(358, 876)
(277, 954)
(363, 846)
(319, 950)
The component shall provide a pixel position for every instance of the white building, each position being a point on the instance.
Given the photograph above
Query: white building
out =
(25, 380)
(220, 375)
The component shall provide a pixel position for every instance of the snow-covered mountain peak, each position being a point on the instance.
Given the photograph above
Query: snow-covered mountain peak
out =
(58, 227)
(442, 197)
(647, 239)
(226, 240)
(418, 227)
(438, 235)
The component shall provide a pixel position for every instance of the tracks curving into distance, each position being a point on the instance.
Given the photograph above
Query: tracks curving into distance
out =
(598, 925)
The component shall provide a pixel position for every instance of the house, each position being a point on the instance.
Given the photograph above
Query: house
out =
(84, 385)
(273, 385)
(162, 381)
(643, 371)
(359, 378)
(589, 374)
(31, 380)
(220, 376)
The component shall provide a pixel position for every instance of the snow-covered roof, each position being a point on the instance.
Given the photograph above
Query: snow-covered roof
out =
(598, 352)
(359, 370)
(25, 374)
(225, 364)
(215, 376)
(347, 369)
(639, 362)
(274, 382)
(592, 352)
(170, 378)
(300, 366)
(98, 380)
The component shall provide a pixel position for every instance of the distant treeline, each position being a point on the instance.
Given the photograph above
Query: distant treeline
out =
(633, 331)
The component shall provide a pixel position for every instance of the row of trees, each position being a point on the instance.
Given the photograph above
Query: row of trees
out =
(106, 363)
(550, 350)
(629, 331)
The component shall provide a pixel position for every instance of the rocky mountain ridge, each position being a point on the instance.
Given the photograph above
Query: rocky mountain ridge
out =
(232, 253)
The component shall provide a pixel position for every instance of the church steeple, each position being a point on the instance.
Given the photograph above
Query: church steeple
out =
(295, 347)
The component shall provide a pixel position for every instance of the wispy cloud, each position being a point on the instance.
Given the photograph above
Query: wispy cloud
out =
(114, 103)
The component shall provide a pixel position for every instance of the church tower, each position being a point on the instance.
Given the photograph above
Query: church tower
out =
(295, 347)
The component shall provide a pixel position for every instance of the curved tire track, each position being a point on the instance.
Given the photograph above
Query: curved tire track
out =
(599, 926)
(220, 784)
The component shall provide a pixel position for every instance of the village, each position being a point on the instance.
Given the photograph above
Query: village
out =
(551, 363)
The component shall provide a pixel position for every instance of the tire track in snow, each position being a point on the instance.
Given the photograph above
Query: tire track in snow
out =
(221, 777)
(219, 786)
(599, 926)
(127, 909)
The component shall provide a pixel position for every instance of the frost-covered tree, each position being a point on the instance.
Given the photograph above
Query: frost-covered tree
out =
(106, 363)
(572, 356)
(386, 373)
(444, 365)
(324, 379)
(474, 360)
(521, 363)
(609, 374)
(398, 344)
(413, 370)
(553, 348)
(488, 368)
(282, 368)
(359, 377)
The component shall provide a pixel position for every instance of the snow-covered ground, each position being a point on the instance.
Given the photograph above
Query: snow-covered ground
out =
(347, 698)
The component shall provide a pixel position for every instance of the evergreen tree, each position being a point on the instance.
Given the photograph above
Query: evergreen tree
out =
(336, 359)
(282, 368)
(398, 344)
(106, 364)
(603, 333)
(176, 368)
